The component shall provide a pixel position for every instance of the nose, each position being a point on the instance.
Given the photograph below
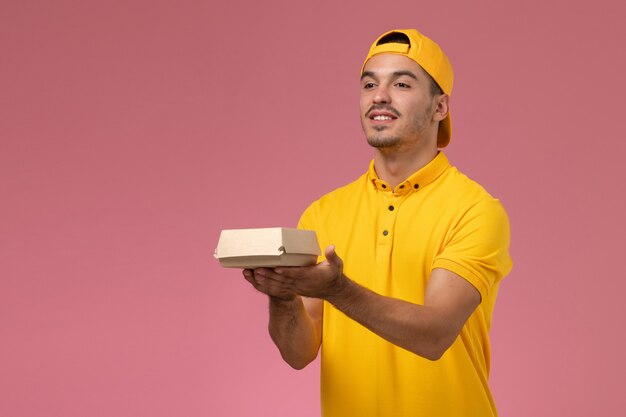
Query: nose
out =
(381, 95)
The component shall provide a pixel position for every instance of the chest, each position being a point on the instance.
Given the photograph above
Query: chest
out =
(388, 243)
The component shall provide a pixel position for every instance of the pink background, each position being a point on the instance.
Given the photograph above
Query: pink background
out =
(132, 132)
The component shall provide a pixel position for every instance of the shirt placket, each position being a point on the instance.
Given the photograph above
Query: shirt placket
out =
(386, 228)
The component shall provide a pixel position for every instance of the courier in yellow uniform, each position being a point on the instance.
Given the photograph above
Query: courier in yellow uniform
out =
(401, 303)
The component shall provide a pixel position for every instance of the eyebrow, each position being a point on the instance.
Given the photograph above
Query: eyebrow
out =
(396, 74)
(407, 73)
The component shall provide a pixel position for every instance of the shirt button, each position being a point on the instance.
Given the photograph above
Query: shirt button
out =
(385, 232)
(416, 186)
(402, 186)
(391, 208)
(384, 186)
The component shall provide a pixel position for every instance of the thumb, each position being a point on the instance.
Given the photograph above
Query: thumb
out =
(332, 257)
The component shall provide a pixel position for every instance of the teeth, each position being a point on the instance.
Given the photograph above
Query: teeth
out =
(381, 117)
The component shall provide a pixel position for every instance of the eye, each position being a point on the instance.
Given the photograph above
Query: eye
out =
(368, 85)
(402, 85)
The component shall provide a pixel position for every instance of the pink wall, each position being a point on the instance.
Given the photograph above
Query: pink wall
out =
(131, 133)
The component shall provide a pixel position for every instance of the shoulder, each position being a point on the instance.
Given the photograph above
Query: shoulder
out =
(343, 194)
(339, 199)
(462, 193)
(462, 204)
(453, 179)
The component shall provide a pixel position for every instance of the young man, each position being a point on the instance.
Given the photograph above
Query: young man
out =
(402, 304)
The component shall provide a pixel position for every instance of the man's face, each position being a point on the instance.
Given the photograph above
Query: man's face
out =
(396, 104)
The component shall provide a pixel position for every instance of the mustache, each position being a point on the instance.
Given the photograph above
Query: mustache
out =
(382, 107)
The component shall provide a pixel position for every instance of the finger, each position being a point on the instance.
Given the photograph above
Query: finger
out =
(261, 283)
(332, 257)
(288, 271)
(282, 275)
(248, 274)
(270, 281)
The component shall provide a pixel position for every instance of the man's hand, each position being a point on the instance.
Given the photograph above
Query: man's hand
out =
(269, 287)
(296, 322)
(318, 281)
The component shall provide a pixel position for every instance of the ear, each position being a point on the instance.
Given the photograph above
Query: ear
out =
(442, 107)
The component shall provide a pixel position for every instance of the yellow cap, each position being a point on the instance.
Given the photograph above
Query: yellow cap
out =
(430, 57)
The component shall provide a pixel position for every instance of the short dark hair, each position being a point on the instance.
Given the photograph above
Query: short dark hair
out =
(397, 37)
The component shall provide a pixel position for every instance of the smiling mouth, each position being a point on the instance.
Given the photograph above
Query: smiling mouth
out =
(382, 114)
(381, 119)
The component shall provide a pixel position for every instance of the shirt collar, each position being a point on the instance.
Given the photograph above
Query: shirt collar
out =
(424, 176)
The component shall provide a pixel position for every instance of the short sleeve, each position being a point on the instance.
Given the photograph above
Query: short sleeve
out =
(307, 221)
(477, 248)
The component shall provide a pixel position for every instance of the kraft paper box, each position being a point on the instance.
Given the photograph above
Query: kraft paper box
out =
(267, 247)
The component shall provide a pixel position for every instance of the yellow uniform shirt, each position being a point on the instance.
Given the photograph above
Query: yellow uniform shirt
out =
(390, 240)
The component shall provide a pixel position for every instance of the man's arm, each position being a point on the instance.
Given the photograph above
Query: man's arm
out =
(427, 330)
(295, 323)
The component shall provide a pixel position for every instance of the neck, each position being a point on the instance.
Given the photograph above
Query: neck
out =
(394, 167)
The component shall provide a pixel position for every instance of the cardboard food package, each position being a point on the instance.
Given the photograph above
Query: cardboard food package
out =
(267, 247)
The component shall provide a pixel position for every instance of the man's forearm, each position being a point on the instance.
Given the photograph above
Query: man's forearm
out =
(427, 330)
(293, 331)
(417, 328)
